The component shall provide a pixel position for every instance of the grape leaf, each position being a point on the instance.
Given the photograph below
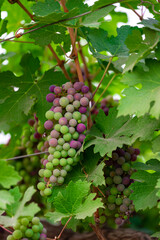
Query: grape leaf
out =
(5, 198)
(3, 27)
(97, 176)
(144, 191)
(151, 23)
(30, 88)
(152, 164)
(156, 144)
(134, 102)
(75, 201)
(46, 8)
(116, 131)
(102, 3)
(8, 176)
(19, 208)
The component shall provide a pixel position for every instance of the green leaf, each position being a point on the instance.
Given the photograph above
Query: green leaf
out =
(97, 176)
(5, 198)
(75, 201)
(152, 164)
(117, 131)
(156, 144)
(102, 3)
(45, 8)
(18, 208)
(151, 23)
(134, 102)
(3, 27)
(8, 176)
(30, 89)
(144, 191)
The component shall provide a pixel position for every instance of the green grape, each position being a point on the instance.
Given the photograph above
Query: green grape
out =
(57, 154)
(56, 172)
(126, 167)
(67, 137)
(41, 186)
(77, 115)
(57, 116)
(17, 234)
(35, 228)
(55, 162)
(57, 127)
(111, 199)
(75, 135)
(60, 180)
(63, 162)
(64, 153)
(70, 161)
(29, 233)
(114, 191)
(36, 236)
(51, 150)
(49, 115)
(50, 158)
(109, 180)
(47, 192)
(61, 141)
(102, 219)
(118, 201)
(23, 228)
(71, 152)
(41, 129)
(41, 172)
(47, 173)
(17, 225)
(64, 129)
(63, 173)
(67, 168)
(127, 192)
(10, 237)
(59, 148)
(63, 101)
(66, 146)
(117, 179)
(49, 166)
(25, 221)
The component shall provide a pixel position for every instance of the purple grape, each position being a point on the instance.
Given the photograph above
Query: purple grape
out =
(43, 236)
(70, 98)
(88, 95)
(119, 171)
(137, 151)
(37, 135)
(79, 144)
(81, 127)
(81, 138)
(63, 121)
(120, 187)
(57, 90)
(53, 142)
(67, 85)
(54, 134)
(31, 122)
(56, 102)
(57, 109)
(123, 208)
(77, 96)
(53, 179)
(84, 102)
(126, 180)
(118, 221)
(50, 97)
(82, 109)
(52, 108)
(106, 110)
(77, 86)
(51, 88)
(133, 157)
(71, 91)
(48, 124)
(85, 89)
(73, 144)
(72, 122)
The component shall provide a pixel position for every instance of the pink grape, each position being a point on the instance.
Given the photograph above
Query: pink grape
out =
(53, 179)
(54, 134)
(51, 88)
(45, 162)
(77, 96)
(52, 108)
(82, 109)
(63, 121)
(79, 145)
(37, 135)
(81, 127)
(88, 95)
(56, 102)
(84, 102)
(48, 124)
(53, 142)
(85, 89)
(50, 97)
(70, 98)
(71, 91)
(57, 90)
(72, 122)
(73, 144)
(77, 86)
(68, 85)
(57, 109)
(81, 138)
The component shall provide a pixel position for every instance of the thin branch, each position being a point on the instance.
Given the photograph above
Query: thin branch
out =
(140, 17)
(62, 20)
(110, 60)
(24, 156)
(59, 236)
(25, 9)
(60, 63)
(20, 41)
(151, 5)
(6, 229)
(103, 92)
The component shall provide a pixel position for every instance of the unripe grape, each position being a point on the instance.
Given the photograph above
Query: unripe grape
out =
(41, 172)
(70, 161)
(57, 90)
(47, 173)
(111, 199)
(68, 85)
(76, 104)
(111, 206)
(83, 118)
(84, 101)
(57, 116)
(48, 124)
(126, 167)
(72, 122)
(10, 237)
(118, 201)
(63, 121)
(127, 192)
(121, 160)
(126, 201)
(120, 187)
(53, 179)
(56, 154)
(70, 98)
(64, 101)
(68, 115)
(109, 180)
(35, 228)
(114, 191)
(53, 142)
(60, 180)
(55, 162)
(56, 172)
(75, 135)
(51, 150)
(70, 108)
(40, 186)
(71, 130)
(17, 234)
(36, 236)
(119, 171)
(64, 153)
(67, 168)
(47, 192)
(49, 166)
(54, 134)
(117, 179)
(77, 115)
(71, 152)
(66, 146)
(63, 173)
(123, 208)
(63, 162)
(57, 109)
(77, 86)
(67, 137)
(49, 115)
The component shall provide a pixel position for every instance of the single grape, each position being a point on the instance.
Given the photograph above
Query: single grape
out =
(77, 115)
(48, 124)
(71, 91)
(57, 115)
(47, 192)
(66, 146)
(72, 122)
(57, 90)
(47, 173)
(29, 232)
(41, 172)
(53, 179)
(35, 220)
(117, 179)
(109, 180)
(70, 108)
(70, 161)
(84, 101)
(51, 88)
(111, 199)
(57, 154)
(53, 142)
(121, 160)
(35, 228)
(61, 141)
(88, 95)
(60, 180)
(55, 162)
(31, 122)
(134, 157)
(70, 98)
(120, 187)
(67, 137)
(57, 109)
(118, 221)
(63, 162)
(83, 118)
(49, 115)
(40, 186)
(51, 150)
(77, 96)
(75, 135)
(68, 85)
(73, 144)
(63, 121)
(49, 166)
(71, 152)
(56, 172)
(136, 151)
(118, 201)
(68, 115)
(81, 127)
(64, 153)
(56, 102)
(85, 89)
(126, 201)
(114, 191)
(50, 97)
(67, 168)
(127, 192)
(77, 86)
(76, 104)
(54, 134)
(131, 150)
(111, 206)
(81, 138)
(64, 101)
(126, 180)
(123, 208)
(126, 167)
(71, 130)
(63, 173)
(82, 110)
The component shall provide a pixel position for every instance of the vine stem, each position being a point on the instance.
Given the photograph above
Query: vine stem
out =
(59, 236)
(110, 60)
(25, 9)
(6, 229)
(140, 17)
(60, 62)
(103, 92)
(24, 156)
(73, 41)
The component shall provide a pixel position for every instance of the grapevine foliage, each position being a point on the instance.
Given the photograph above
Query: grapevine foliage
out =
(98, 145)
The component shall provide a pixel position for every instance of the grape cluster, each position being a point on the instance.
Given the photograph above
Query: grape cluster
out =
(118, 170)
(66, 124)
(31, 142)
(28, 228)
(105, 105)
